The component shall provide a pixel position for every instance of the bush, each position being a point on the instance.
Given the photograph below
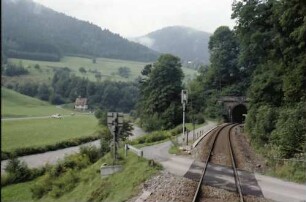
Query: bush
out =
(261, 122)
(17, 171)
(105, 139)
(290, 131)
(101, 116)
(199, 118)
(56, 99)
(92, 152)
(40, 188)
(55, 186)
(176, 131)
(60, 178)
(82, 70)
(64, 184)
(151, 123)
(153, 137)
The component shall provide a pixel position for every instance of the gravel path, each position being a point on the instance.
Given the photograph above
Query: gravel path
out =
(167, 187)
(38, 160)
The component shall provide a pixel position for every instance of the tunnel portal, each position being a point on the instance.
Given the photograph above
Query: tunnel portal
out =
(234, 108)
(238, 113)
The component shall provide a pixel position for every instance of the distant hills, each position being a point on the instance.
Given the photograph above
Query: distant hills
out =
(32, 31)
(187, 43)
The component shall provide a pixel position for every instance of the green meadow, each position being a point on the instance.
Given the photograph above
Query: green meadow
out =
(107, 67)
(39, 132)
(14, 104)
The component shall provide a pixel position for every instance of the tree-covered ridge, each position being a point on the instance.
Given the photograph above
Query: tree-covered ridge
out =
(263, 58)
(272, 38)
(33, 31)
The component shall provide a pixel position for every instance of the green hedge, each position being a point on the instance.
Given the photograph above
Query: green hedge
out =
(35, 150)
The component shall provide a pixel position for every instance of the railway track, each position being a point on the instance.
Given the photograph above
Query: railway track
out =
(224, 129)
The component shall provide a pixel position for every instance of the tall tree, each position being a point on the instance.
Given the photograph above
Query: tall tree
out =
(160, 92)
(224, 50)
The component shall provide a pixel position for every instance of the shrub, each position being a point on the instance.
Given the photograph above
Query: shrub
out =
(55, 186)
(64, 184)
(199, 118)
(40, 188)
(82, 70)
(176, 131)
(101, 116)
(261, 122)
(92, 152)
(153, 137)
(290, 132)
(17, 171)
(151, 123)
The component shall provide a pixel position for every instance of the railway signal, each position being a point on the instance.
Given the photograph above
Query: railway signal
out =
(115, 123)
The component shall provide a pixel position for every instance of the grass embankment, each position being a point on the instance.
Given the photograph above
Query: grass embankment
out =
(293, 169)
(14, 104)
(86, 184)
(107, 67)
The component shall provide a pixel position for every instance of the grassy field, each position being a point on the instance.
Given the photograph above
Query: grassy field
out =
(107, 67)
(40, 132)
(15, 104)
(117, 187)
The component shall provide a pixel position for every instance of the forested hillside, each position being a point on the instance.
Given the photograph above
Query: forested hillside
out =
(187, 43)
(32, 31)
(263, 58)
(272, 37)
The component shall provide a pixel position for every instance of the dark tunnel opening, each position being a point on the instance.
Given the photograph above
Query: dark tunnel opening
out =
(238, 114)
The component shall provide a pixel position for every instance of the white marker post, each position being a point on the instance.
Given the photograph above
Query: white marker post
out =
(184, 99)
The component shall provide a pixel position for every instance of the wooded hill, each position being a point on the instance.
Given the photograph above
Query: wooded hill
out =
(32, 31)
(264, 58)
(187, 43)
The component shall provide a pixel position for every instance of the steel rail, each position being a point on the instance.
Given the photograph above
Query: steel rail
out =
(196, 195)
(237, 181)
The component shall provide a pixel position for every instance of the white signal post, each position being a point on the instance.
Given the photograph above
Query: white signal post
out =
(184, 99)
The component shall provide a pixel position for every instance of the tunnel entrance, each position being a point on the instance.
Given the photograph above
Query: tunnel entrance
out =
(238, 112)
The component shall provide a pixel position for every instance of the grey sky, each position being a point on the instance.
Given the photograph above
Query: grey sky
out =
(131, 18)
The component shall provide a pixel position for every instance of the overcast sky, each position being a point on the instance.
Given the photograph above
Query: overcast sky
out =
(131, 18)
